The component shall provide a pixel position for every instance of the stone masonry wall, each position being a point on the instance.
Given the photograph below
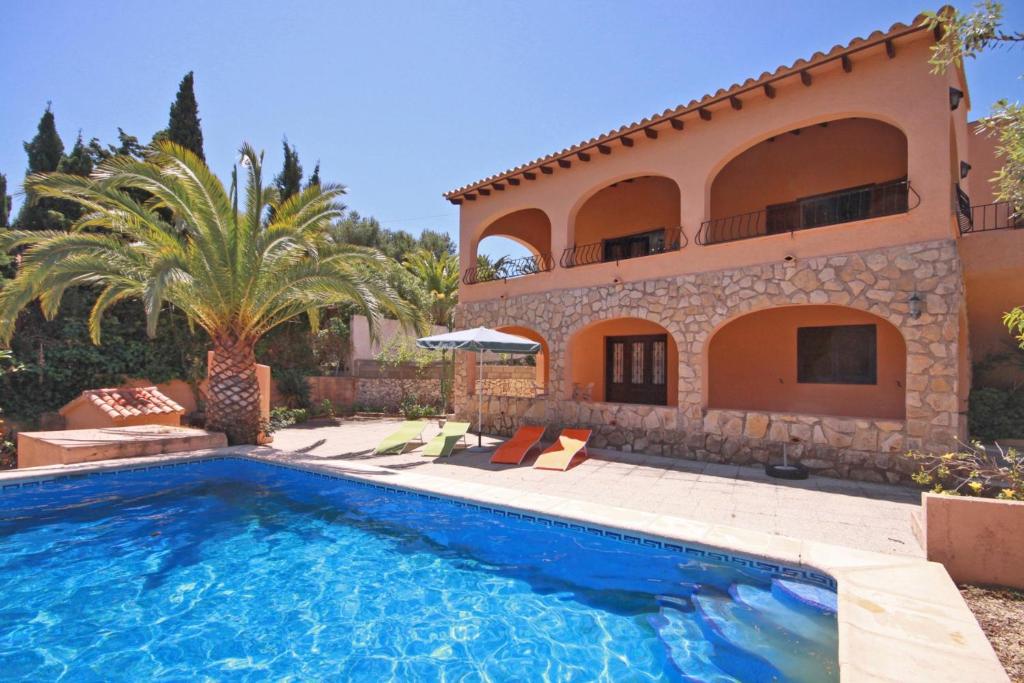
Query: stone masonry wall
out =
(692, 307)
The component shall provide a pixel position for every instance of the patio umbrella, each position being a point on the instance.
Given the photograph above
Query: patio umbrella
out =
(480, 339)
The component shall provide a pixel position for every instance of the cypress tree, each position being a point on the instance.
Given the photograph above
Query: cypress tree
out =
(183, 127)
(46, 149)
(45, 152)
(289, 180)
(79, 162)
(315, 178)
(5, 202)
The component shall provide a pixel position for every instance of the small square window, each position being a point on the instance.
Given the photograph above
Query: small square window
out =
(839, 354)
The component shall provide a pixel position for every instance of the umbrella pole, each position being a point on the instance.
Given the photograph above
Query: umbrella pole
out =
(480, 405)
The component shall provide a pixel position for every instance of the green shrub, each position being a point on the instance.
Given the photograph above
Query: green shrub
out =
(412, 410)
(326, 408)
(996, 414)
(285, 417)
(293, 386)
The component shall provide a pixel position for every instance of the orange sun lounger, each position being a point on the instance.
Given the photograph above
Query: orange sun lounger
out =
(515, 449)
(560, 454)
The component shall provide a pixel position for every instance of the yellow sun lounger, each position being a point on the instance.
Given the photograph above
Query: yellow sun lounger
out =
(398, 440)
(515, 449)
(444, 443)
(559, 455)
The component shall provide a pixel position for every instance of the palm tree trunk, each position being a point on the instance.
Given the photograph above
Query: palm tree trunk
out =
(233, 404)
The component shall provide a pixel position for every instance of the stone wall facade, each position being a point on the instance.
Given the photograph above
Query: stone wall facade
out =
(692, 307)
(388, 394)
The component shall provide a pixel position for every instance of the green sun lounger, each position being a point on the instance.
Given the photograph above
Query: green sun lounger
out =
(444, 443)
(397, 441)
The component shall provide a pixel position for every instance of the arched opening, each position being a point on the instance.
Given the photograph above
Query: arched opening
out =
(518, 243)
(537, 363)
(624, 360)
(510, 374)
(822, 360)
(823, 174)
(630, 218)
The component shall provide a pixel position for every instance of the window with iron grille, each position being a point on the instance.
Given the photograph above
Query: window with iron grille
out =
(838, 354)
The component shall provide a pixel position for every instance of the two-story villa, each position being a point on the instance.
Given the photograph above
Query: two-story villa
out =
(781, 262)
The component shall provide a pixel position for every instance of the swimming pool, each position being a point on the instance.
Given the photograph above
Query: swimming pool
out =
(237, 569)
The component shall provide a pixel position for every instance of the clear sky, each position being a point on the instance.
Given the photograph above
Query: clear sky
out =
(402, 101)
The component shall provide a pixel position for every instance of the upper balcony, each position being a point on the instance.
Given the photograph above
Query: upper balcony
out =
(628, 219)
(849, 172)
(828, 174)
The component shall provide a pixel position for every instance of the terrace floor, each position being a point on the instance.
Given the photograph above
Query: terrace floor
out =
(859, 515)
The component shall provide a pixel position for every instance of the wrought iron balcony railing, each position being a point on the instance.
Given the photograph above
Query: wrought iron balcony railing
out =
(987, 217)
(832, 208)
(505, 269)
(658, 241)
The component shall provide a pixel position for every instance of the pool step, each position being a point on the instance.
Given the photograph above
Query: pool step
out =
(733, 624)
(805, 595)
(785, 616)
(689, 651)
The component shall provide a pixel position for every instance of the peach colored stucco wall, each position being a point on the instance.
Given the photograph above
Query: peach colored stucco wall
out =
(529, 227)
(992, 263)
(899, 91)
(587, 351)
(992, 266)
(87, 416)
(977, 540)
(752, 364)
(631, 206)
(846, 153)
(981, 155)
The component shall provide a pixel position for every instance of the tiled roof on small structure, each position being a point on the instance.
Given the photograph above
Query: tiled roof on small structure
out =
(122, 403)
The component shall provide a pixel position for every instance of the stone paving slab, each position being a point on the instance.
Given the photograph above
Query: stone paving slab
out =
(861, 515)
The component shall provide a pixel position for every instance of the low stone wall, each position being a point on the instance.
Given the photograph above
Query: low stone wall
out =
(853, 448)
(526, 388)
(849, 448)
(388, 394)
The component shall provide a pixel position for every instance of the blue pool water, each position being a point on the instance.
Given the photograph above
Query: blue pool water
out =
(238, 570)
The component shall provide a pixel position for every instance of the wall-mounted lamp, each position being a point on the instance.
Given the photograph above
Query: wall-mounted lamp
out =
(955, 97)
(965, 168)
(916, 304)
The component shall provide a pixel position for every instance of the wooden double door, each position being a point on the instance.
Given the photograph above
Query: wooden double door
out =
(636, 369)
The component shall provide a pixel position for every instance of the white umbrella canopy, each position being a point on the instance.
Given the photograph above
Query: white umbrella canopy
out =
(480, 339)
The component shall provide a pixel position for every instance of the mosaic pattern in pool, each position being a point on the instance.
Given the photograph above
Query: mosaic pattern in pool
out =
(239, 570)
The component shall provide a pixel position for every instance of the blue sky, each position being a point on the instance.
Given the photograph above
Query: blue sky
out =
(402, 101)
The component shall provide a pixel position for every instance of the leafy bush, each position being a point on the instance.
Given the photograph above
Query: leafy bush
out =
(285, 417)
(996, 414)
(414, 411)
(973, 471)
(293, 387)
(326, 408)
(58, 362)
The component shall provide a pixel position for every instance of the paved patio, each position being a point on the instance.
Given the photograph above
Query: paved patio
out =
(860, 515)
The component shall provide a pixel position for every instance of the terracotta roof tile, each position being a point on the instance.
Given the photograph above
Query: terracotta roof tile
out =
(895, 31)
(121, 403)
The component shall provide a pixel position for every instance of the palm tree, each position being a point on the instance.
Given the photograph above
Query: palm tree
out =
(235, 272)
(439, 276)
